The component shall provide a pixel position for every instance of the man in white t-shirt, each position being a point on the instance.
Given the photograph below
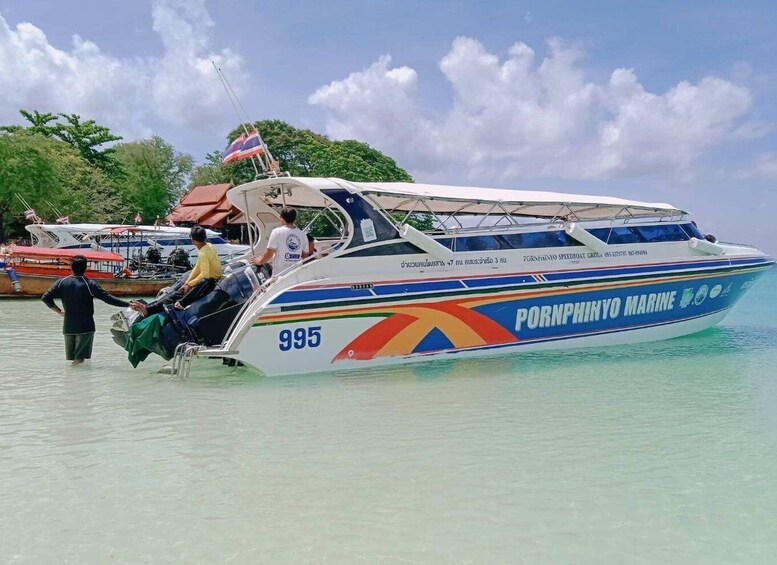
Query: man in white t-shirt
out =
(287, 244)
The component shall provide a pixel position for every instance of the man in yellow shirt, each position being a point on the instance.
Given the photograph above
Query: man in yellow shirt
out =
(206, 272)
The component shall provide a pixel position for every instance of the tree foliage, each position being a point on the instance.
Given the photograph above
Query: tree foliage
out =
(59, 164)
(63, 163)
(211, 172)
(51, 176)
(86, 137)
(152, 176)
(302, 152)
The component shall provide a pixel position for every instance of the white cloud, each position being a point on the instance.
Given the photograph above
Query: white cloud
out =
(524, 118)
(178, 87)
(764, 167)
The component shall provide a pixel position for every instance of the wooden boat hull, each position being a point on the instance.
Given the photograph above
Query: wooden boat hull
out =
(33, 286)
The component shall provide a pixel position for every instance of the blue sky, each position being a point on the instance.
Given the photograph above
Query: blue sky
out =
(659, 101)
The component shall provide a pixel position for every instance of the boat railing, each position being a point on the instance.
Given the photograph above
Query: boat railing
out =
(185, 352)
(745, 245)
(548, 224)
(273, 282)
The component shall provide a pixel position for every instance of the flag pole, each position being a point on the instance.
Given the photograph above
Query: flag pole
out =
(35, 218)
(234, 103)
(54, 209)
(265, 157)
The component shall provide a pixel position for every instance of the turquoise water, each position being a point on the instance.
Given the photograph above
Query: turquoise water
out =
(655, 453)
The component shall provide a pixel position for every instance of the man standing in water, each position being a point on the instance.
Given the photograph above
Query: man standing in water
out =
(77, 294)
(286, 246)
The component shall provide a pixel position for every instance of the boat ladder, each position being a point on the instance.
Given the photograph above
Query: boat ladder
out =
(181, 364)
(182, 359)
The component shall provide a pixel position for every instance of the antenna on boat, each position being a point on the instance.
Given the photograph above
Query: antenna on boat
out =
(35, 218)
(269, 165)
(54, 209)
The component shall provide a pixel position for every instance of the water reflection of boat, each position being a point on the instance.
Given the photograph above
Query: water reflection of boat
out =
(499, 271)
(30, 271)
(136, 240)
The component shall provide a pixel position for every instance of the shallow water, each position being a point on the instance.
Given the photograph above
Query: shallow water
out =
(655, 453)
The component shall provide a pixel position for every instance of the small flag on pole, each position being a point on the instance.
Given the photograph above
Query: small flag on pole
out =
(251, 146)
(30, 214)
(63, 220)
(232, 153)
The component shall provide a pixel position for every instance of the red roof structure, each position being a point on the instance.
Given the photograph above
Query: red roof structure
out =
(205, 205)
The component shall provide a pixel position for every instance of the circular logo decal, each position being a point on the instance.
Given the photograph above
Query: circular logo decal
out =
(715, 291)
(701, 294)
(292, 242)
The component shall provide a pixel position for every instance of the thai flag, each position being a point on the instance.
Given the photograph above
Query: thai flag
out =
(30, 214)
(63, 220)
(232, 153)
(252, 145)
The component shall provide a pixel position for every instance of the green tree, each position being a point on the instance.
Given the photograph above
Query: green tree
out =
(84, 136)
(49, 174)
(40, 123)
(152, 176)
(302, 152)
(211, 172)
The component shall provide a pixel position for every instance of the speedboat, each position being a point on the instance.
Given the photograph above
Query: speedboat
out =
(492, 271)
(105, 237)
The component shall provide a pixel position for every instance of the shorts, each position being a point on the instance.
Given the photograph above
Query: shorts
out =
(78, 346)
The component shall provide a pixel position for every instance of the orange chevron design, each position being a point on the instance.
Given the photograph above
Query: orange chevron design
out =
(400, 333)
(363, 347)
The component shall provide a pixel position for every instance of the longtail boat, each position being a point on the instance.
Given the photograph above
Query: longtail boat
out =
(30, 271)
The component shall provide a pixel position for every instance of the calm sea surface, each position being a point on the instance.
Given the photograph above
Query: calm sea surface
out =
(656, 453)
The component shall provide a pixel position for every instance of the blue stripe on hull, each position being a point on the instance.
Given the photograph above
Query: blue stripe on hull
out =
(578, 313)
(564, 338)
(407, 289)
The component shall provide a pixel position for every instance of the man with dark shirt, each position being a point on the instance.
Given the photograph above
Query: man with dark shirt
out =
(77, 294)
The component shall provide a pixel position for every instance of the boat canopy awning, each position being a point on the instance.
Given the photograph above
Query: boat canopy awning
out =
(452, 200)
(123, 230)
(447, 199)
(59, 253)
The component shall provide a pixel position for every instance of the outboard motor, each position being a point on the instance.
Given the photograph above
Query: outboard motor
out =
(179, 258)
(207, 320)
(17, 286)
(153, 255)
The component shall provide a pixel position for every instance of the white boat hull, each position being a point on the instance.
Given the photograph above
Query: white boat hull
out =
(497, 323)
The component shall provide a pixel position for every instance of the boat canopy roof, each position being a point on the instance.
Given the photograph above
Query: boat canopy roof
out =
(140, 230)
(21, 251)
(450, 199)
(107, 229)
